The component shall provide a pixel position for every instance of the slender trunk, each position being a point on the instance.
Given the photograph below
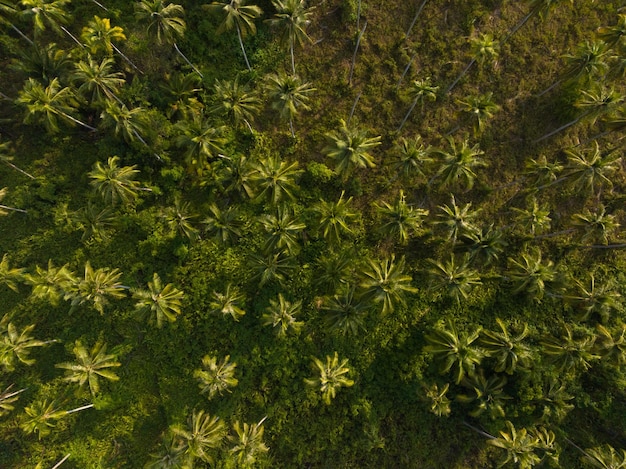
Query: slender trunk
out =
(76, 121)
(491, 437)
(8, 396)
(293, 60)
(187, 60)
(597, 136)
(563, 127)
(126, 58)
(550, 184)
(453, 129)
(356, 48)
(4, 96)
(13, 209)
(465, 70)
(407, 115)
(356, 101)
(24, 36)
(245, 56)
(78, 409)
(293, 134)
(606, 246)
(100, 5)
(550, 88)
(358, 16)
(66, 456)
(419, 11)
(518, 26)
(555, 234)
(18, 169)
(72, 36)
(406, 69)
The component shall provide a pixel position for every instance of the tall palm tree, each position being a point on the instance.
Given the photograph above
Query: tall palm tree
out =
(610, 345)
(484, 49)
(456, 351)
(591, 171)
(418, 91)
(130, 124)
(178, 218)
(533, 220)
(248, 441)
(437, 399)
(334, 219)
(477, 108)
(224, 225)
(291, 18)
(50, 13)
(5, 209)
(114, 183)
(541, 172)
(605, 457)
(9, 276)
(164, 19)
(7, 10)
(484, 245)
(281, 315)
(385, 282)
(97, 286)
(596, 226)
(568, 352)
(591, 297)
(458, 164)
(97, 82)
(94, 220)
(287, 95)
(333, 271)
(46, 63)
(522, 446)
(331, 376)
(531, 274)
(454, 278)
(229, 302)
(457, 220)
(49, 104)
(539, 8)
(236, 101)
(170, 453)
(16, 345)
(276, 266)
(216, 377)
(275, 180)
(400, 220)
(509, 351)
(413, 157)
(90, 366)
(344, 313)
(52, 283)
(283, 229)
(350, 146)
(40, 417)
(614, 35)
(239, 16)
(99, 36)
(7, 398)
(160, 302)
(202, 141)
(486, 393)
(200, 437)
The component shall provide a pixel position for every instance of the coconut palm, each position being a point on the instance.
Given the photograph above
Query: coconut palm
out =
(52, 283)
(331, 376)
(236, 101)
(170, 453)
(239, 16)
(97, 286)
(229, 302)
(90, 366)
(334, 219)
(484, 245)
(40, 417)
(522, 446)
(384, 282)
(350, 146)
(591, 171)
(344, 313)
(531, 274)
(46, 13)
(456, 351)
(183, 89)
(159, 302)
(216, 377)
(615, 35)
(610, 345)
(95, 221)
(114, 183)
(97, 82)
(591, 297)
(487, 394)
(413, 157)
(539, 8)
(568, 352)
(9, 276)
(605, 457)
(281, 315)
(454, 278)
(283, 230)
(483, 49)
(7, 398)
(333, 271)
(178, 218)
(16, 345)
(49, 104)
(224, 226)
(7, 11)
(201, 436)
(237, 175)
(202, 141)
(275, 266)
(99, 36)
(418, 91)
(457, 220)
(287, 95)
(555, 399)
(457, 165)
(596, 226)
(541, 172)
(509, 351)
(477, 108)
(275, 180)
(248, 441)
(291, 19)
(533, 220)
(45, 63)
(437, 399)
(400, 220)
(164, 19)
(130, 124)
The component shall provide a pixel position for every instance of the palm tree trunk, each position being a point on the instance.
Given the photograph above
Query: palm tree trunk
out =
(78, 409)
(245, 56)
(5, 207)
(73, 37)
(606, 246)
(469, 65)
(555, 234)
(293, 60)
(293, 134)
(76, 121)
(100, 5)
(18, 31)
(518, 26)
(187, 60)
(18, 169)
(419, 11)
(491, 437)
(550, 88)
(356, 48)
(356, 101)
(406, 69)
(407, 115)
(66, 456)
(563, 127)
(126, 58)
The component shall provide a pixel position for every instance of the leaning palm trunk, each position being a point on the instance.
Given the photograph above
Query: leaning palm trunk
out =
(62, 460)
(293, 60)
(65, 30)
(100, 5)
(550, 88)
(78, 409)
(407, 115)
(5, 207)
(126, 58)
(406, 69)
(18, 169)
(23, 36)
(419, 11)
(76, 121)
(356, 48)
(243, 49)
(187, 60)
(518, 26)
(563, 127)
(463, 73)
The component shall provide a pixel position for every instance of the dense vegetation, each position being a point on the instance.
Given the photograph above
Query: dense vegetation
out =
(334, 233)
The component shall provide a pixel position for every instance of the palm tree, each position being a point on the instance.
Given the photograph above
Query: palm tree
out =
(333, 271)
(275, 266)
(485, 244)
(45, 63)
(457, 220)
(594, 297)
(237, 175)
(229, 302)
(477, 108)
(541, 172)
(456, 351)
(89, 366)
(215, 377)
(436, 397)
(5, 209)
(539, 8)
(534, 220)
(291, 18)
(183, 88)
(531, 274)
(49, 104)
(283, 230)
(385, 282)
(202, 141)
(344, 313)
(114, 183)
(331, 376)
(52, 283)
(6, 158)
(159, 302)
(456, 279)
(281, 316)
(223, 225)
(487, 394)
(240, 16)
(248, 441)
(349, 147)
(591, 171)
(484, 49)
(568, 352)
(164, 19)
(509, 351)
(15, 345)
(458, 164)
(10, 276)
(40, 417)
(400, 221)
(287, 95)
(94, 220)
(334, 219)
(605, 457)
(521, 446)
(611, 346)
(413, 157)
(97, 287)
(275, 180)
(596, 227)
(7, 9)
(236, 101)
(178, 218)
(7, 398)
(614, 35)
(555, 399)
(418, 91)
(130, 124)
(99, 35)
(97, 81)
(47, 12)
(170, 454)
(200, 436)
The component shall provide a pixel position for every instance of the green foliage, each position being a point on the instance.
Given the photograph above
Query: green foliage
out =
(331, 376)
